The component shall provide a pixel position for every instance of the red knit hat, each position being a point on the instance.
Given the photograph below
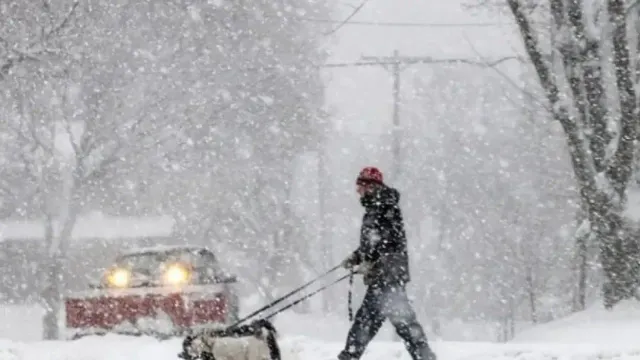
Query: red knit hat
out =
(370, 174)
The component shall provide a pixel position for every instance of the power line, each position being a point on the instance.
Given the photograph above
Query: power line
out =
(396, 64)
(405, 24)
(348, 18)
(408, 60)
(372, 62)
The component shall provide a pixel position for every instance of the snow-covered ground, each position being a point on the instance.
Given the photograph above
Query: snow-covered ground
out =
(23, 323)
(299, 348)
(620, 327)
(590, 335)
(20, 323)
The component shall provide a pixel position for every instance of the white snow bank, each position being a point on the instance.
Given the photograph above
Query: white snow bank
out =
(321, 338)
(114, 347)
(620, 326)
(21, 323)
(602, 335)
(24, 323)
(334, 327)
(328, 328)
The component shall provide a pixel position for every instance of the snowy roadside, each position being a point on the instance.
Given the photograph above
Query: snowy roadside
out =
(594, 334)
(113, 347)
(595, 325)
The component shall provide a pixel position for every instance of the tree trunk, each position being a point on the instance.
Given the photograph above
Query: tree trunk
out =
(619, 258)
(436, 327)
(619, 251)
(570, 53)
(294, 248)
(581, 260)
(531, 294)
(507, 323)
(284, 268)
(620, 170)
(581, 58)
(604, 198)
(57, 283)
(325, 239)
(582, 272)
(50, 297)
(57, 250)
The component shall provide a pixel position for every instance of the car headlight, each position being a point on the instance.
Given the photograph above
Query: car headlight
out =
(176, 274)
(119, 277)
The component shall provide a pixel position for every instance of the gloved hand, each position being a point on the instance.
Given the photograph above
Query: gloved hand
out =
(349, 262)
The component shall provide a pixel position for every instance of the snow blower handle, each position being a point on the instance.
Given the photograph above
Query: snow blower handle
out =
(307, 296)
(286, 296)
(350, 296)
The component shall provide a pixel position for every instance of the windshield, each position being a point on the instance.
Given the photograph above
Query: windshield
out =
(152, 262)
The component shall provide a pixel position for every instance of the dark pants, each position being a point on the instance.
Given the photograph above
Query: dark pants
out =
(380, 303)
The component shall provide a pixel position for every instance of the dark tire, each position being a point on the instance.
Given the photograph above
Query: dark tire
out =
(207, 356)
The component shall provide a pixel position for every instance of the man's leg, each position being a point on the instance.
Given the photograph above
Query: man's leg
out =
(398, 310)
(366, 324)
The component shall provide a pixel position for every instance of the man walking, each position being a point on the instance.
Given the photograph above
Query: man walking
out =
(383, 260)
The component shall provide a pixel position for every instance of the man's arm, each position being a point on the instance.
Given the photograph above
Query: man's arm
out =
(368, 235)
(378, 237)
(372, 239)
(352, 260)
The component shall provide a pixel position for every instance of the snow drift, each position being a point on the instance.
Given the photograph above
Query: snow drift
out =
(617, 327)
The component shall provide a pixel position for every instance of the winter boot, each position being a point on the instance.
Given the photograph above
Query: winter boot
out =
(344, 355)
(424, 353)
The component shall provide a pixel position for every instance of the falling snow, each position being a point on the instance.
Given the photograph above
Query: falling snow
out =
(238, 128)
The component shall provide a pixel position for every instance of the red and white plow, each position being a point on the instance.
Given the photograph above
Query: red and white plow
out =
(172, 300)
(158, 313)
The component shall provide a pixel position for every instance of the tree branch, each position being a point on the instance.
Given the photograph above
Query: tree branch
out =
(586, 50)
(346, 21)
(569, 53)
(58, 28)
(37, 47)
(535, 54)
(620, 168)
(526, 93)
(582, 164)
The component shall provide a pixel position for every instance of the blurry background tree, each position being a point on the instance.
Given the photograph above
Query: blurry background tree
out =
(214, 112)
(498, 193)
(587, 78)
(125, 106)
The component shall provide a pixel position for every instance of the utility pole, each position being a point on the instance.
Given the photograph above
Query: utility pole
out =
(395, 65)
(325, 236)
(392, 64)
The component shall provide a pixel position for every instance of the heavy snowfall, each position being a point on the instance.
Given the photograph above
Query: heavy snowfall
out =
(509, 127)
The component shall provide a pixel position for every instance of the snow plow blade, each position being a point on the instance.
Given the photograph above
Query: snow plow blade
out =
(155, 312)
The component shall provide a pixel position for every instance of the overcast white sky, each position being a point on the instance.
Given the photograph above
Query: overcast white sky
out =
(360, 98)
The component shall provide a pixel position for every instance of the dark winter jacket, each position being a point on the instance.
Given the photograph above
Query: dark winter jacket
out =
(383, 242)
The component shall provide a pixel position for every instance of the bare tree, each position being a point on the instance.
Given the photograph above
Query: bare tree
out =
(580, 107)
(259, 115)
(33, 31)
(69, 146)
